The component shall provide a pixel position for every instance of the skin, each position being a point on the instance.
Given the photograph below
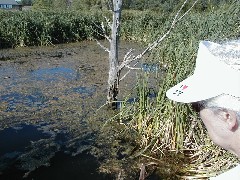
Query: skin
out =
(223, 128)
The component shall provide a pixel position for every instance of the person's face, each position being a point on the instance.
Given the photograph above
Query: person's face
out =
(220, 127)
(214, 126)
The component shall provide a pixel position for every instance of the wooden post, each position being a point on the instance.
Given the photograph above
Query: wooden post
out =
(114, 74)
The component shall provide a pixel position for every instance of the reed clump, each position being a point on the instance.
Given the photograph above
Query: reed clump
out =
(41, 27)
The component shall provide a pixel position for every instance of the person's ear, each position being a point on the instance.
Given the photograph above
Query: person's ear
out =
(230, 118)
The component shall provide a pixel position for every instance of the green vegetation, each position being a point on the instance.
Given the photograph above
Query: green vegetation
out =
(45, 28)
(153, 5)
(161, 127)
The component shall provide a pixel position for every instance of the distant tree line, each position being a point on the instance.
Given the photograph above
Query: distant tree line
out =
(155, 5)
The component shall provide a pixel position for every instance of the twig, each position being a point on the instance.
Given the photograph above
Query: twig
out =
(128, 72)
(108, 22)
(133, 68)
(102, 46)
(104, 31)
(188, 10)
(101, 107)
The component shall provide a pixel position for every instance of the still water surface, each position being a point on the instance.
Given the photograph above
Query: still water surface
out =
(44, 103)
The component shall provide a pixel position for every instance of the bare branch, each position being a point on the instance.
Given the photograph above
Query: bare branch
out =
(128, 59)
(103, 35)
(128, 54)
(124, 76)
(187, 10)
(133, 68)
(142, 172)
(103, 47)
(104, 31)
(103, 27)
(160, 39)
(128, 71)
(108, 22)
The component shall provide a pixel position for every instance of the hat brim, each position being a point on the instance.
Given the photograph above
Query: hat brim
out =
(212, 77)
(194, 89)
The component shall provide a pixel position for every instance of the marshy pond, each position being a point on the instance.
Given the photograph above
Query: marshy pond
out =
(47, 96)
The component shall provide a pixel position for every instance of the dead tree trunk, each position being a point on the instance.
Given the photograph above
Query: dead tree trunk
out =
(114, 73)
(115, 67)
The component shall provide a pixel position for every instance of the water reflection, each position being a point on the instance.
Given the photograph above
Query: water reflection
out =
(53, 74)
(146, 67)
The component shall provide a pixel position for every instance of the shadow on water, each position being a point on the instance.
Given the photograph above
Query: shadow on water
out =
(13, 142)
(15, 139)
(82, 166)
(63, 166)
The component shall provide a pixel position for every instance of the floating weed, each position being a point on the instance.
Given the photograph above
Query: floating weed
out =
(15, 101)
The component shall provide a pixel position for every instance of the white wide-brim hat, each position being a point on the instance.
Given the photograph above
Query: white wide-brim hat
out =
(212, 77)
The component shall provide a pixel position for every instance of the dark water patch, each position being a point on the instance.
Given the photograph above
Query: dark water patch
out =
(33, 150)
(24, 148)
(15, 100)
(12, 173)
(54, 74)
(15, 139)
(61, 167)
(64, 166)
